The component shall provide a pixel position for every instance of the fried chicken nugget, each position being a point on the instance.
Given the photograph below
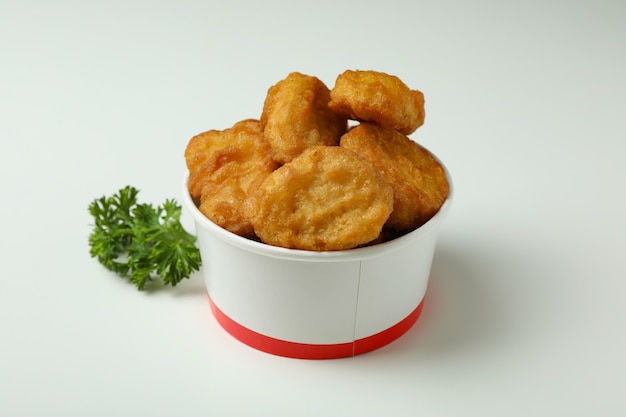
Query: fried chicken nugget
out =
(200, 148)
(327, 198)
(378, 97)
(235, 160)
(418, 179)
(296, 115)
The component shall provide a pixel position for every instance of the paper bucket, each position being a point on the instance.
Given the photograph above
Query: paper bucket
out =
(315, 305)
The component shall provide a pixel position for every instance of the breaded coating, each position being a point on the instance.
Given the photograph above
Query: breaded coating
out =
(232, 161)
(296, 115)
(374, 96)
(327, 198)
(418, 179)
(200, 148)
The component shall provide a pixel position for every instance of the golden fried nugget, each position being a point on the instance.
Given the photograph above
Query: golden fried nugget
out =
(378, 97)
(418, 179)
(209, 150)
(296, 115)
(200, 147)
(327, 198)
(222, 205)
(223, 180)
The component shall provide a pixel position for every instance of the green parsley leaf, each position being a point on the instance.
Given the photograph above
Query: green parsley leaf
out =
(141, 242)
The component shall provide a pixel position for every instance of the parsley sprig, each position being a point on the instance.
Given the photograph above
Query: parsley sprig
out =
(142, 242)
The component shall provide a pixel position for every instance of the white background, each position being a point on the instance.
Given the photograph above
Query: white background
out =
(525, 314)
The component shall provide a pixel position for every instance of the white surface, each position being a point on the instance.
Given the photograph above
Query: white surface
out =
(525, 104)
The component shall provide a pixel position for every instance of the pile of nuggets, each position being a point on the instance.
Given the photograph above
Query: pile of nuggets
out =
(303, 177)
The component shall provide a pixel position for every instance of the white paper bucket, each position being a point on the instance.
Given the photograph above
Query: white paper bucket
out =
(315, 305)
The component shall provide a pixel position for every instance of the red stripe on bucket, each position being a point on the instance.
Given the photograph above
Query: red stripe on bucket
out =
(314, 351)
